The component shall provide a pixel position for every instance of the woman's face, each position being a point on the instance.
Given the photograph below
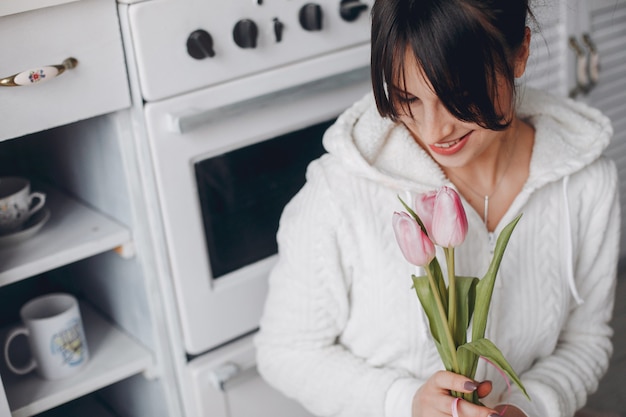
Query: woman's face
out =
(451, 143)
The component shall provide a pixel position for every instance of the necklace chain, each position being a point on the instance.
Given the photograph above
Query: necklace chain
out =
(486, 197)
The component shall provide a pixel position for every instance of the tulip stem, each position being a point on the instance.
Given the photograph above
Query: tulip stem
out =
(442, 313)
(449, 252)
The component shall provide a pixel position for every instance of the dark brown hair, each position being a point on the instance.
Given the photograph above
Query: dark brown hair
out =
(461, 45)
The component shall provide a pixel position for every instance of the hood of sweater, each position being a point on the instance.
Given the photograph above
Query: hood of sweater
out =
(568, 136)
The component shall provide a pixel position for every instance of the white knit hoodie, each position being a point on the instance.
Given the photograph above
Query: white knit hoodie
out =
(344, 333)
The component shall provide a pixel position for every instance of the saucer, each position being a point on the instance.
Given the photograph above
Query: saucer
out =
(27, 230)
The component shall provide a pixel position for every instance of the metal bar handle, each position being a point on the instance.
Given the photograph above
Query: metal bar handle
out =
(38, 75)
(582, 77)
(594, 59)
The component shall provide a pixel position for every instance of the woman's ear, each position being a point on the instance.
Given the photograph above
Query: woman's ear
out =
(522, 54)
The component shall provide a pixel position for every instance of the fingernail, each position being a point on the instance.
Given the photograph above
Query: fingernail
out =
(471, 386)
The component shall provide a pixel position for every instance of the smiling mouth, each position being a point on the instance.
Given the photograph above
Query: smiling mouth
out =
(447, 145)
(450, 147)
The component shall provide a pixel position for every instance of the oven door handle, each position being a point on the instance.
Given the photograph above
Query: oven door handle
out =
(192, 118)
(188, 120)
(184, 122)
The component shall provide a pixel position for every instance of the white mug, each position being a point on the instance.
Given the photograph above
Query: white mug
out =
(55, 334)
(17, 203)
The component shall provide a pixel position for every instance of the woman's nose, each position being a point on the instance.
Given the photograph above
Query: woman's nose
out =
(437, 124)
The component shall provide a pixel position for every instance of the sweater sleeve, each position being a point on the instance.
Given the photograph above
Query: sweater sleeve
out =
(299, 351)
(560, 383)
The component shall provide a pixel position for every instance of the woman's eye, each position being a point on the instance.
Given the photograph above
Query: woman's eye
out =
(407, 99)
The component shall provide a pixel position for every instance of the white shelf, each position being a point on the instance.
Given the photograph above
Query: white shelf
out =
(114, 356)
(85, 406)
(73, 232)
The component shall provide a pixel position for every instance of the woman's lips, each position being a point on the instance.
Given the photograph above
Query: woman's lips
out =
(450, 147)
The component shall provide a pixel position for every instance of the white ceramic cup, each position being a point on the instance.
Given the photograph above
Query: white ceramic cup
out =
(55, 334)
(17, 203)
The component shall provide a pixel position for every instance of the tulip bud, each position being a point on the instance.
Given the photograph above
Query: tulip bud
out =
(424, 206)
(415, 245)
(449, 226)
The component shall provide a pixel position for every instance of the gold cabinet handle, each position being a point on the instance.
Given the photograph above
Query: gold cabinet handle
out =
(38, 75)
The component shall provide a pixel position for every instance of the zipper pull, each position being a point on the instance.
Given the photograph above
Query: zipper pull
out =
(492, 242)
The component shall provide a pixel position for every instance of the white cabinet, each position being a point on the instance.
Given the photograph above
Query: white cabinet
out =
(599, 34)
(606, 26)
(605, 22)
(70, 136)
(578, 50)
(89, 247)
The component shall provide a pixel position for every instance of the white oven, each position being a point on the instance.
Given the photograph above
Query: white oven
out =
(224, 174)
(235, 96)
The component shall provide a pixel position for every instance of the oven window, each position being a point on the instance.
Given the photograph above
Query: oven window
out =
(243, 193)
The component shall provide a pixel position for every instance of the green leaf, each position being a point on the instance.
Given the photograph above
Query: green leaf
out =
(486, 349)
(465, 301)
(435, 270)
(466, 290)
(468, 362)
(484, 289)
(437, 323)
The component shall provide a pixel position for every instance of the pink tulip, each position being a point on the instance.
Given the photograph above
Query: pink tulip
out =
(424, 207)
(415, 245)
(449, 226)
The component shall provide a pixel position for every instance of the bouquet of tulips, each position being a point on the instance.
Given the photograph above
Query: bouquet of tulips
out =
(438, 218)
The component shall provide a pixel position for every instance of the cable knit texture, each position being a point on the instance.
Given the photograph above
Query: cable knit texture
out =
(344, 333)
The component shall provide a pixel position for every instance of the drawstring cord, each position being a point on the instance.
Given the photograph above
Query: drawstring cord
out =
(567, 241)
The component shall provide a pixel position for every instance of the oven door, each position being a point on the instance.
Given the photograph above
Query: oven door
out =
(186, 135)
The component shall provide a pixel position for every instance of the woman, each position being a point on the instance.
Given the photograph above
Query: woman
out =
(343, 332)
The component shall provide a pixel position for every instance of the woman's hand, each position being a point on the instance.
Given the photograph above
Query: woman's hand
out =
(433, 399)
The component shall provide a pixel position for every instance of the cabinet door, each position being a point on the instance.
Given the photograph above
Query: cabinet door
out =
(577, 50)
(604, 21)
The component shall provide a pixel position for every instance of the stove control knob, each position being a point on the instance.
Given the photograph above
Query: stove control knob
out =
(200, 44)
(246, 33)
(350, 10)
(311, 17)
